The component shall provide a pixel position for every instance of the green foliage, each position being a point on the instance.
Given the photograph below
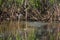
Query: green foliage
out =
(35, 3)
(20, 1)
(1, 38)
(18, 37)
(31, 36)
(52, 1)
(52, 37)
(0, 2)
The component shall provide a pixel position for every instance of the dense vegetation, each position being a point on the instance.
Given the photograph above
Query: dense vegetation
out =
(15, 15)
(38, 10)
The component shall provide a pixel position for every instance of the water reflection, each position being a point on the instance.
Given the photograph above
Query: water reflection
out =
(34, 31)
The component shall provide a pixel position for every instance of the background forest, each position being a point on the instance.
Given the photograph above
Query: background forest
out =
(37, 10)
